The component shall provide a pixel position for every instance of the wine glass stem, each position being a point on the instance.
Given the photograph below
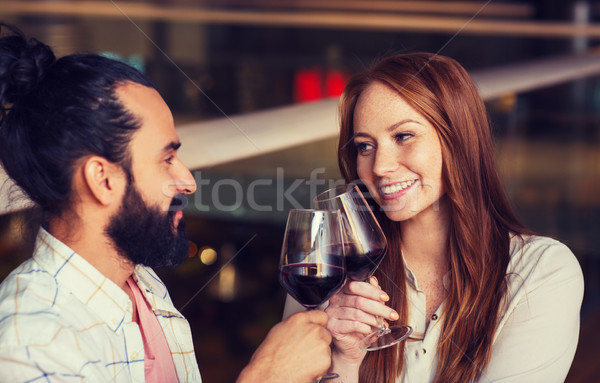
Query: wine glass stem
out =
(381, 325)
(328, 375)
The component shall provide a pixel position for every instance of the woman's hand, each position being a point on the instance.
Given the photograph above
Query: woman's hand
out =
(352, 315)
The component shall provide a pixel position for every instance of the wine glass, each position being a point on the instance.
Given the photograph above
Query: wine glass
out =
(312, 264)
(364, 248)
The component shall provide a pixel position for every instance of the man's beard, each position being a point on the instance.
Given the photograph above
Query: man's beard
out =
(145, 235)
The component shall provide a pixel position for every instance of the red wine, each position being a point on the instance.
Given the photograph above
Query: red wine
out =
(311, 284)
(359, 267)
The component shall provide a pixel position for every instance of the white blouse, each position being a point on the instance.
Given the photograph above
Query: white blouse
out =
(539, 325)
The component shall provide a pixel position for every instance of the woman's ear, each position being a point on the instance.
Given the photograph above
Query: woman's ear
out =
(104, 179)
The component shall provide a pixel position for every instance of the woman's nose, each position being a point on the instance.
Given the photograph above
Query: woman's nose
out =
(386, 161)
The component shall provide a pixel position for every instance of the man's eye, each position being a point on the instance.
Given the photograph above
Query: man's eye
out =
(169, 160)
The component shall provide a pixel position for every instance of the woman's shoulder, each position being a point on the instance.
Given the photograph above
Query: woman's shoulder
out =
(527, 242)
(535, 247)
(539, 259)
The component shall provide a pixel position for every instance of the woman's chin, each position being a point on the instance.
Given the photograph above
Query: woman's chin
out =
(397, 214)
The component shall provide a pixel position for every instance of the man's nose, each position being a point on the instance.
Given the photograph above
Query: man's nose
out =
(185, 184)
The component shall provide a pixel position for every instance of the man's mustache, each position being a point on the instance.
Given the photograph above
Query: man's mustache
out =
(179, 202)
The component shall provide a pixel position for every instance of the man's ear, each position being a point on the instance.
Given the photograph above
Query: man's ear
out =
(104, 179)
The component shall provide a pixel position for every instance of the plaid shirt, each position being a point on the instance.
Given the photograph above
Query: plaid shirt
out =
(61, 320)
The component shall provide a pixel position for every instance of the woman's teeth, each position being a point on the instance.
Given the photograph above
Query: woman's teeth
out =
(395, 188)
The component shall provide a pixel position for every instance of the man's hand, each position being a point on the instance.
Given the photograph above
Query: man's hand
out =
(294, 351)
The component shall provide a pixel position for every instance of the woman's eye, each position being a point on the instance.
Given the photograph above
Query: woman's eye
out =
(399, 137)
(362, 147)
(169, 160)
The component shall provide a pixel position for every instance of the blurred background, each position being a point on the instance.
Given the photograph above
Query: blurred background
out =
(253, 85)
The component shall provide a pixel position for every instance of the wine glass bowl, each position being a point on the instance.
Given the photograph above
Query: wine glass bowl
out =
(363, 240)
(312, 266)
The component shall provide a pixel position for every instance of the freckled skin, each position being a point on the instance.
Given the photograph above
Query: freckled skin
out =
(396, 144)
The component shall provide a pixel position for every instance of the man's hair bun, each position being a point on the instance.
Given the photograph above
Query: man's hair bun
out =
(22, 64)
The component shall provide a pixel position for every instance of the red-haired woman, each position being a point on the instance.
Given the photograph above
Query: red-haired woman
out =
(488, 300)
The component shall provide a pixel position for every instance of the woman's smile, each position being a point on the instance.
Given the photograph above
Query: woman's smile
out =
(396, 190)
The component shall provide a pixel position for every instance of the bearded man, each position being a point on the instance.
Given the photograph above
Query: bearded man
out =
(93, 144)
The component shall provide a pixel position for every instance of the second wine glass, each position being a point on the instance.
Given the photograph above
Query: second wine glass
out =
(364, 247)
(312, 261)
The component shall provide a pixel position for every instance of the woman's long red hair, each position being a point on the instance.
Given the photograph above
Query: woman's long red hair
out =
(481, 218)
